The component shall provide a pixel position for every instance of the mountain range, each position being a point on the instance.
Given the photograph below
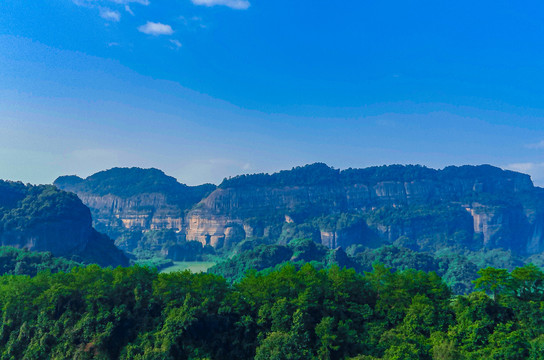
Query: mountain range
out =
(472, 207)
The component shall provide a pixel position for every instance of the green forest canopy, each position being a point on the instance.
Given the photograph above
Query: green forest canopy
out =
(137, 313)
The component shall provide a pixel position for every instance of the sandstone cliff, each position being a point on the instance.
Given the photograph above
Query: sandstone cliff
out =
(490, 207)
(417, 207)
(135, 199)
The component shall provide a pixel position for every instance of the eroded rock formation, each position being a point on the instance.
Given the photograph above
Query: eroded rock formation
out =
(473, 206)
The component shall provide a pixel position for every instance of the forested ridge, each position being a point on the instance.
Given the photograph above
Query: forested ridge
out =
(44, 218)
(137, 313)
(126, 182)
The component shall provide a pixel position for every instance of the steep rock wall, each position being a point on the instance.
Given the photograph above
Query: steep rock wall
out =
(259, 205)
(508, 228)
(504, 227)
(149, 211)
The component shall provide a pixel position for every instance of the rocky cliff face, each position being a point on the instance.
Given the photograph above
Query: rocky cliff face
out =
(342, 237)
(472, 206)
(143, 211)
(135, 199)
(470, 190)
(503, 227)
(42, 218)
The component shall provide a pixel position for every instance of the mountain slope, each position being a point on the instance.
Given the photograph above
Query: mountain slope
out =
(44, 218)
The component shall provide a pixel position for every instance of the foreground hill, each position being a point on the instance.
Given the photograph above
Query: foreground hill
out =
(44, 218)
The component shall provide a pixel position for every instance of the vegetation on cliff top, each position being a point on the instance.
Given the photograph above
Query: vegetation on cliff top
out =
(127, 182)
(322, 174)
(22, 207)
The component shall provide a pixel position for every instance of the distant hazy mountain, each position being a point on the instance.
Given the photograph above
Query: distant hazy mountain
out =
(44, 218)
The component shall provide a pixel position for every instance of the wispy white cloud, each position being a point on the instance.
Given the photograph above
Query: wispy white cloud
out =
(176, 43)
(156, 29)
(104, 7)
(524, 167)
(141, 2)
(535, 169)
(215, 169)
(92, 3)
(234, 4)
(110, 15)
(538, 145)
(193, 23)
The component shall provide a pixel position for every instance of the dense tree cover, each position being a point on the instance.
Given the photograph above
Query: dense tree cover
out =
(498, 258)
(419, 208)
(375, 174)
(458, 269)
(335, 222)
(259, 258)
(23, 262)
(433, 216)
(308, 175)
(436, 237)
(12, 192)
(23, 207)
(412, 207)
(137, 313)
(102, 251)
(322, 174)
(256, 255)
(426, 227)
(480, 172)
(121, 182)
(349, 229)
(127, 182)
(398, 258)
(44, 218)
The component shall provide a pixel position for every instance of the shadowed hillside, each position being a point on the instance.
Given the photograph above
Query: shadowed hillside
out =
(44, 218)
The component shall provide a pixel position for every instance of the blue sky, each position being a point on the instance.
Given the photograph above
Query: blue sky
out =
(205, 89)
